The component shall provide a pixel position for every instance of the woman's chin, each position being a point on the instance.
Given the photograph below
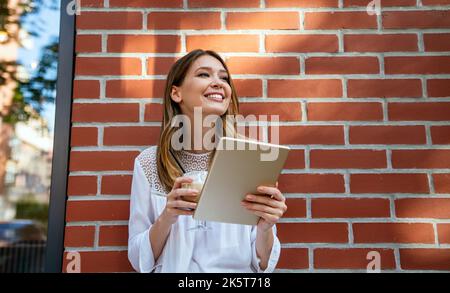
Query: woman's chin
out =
(211, 109)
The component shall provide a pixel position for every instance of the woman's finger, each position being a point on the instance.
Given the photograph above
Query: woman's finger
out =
(263, 208)
(174, 194)
(272, 191)
(264, 199)
(182, 204)
(179, 181)
(184, 212)
(268, 217)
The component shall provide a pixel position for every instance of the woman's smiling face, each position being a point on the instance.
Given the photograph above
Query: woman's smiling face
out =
(205, 85)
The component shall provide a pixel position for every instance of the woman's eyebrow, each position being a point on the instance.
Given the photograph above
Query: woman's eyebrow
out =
(209, 68)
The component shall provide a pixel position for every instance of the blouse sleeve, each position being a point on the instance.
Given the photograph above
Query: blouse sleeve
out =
(142, 216)
(274, 254)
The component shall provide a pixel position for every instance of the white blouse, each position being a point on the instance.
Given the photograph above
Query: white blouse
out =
(222, 248)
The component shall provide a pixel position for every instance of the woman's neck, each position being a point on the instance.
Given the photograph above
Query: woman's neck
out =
(198, 142)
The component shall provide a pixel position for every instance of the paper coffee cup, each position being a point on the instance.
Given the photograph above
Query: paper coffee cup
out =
(198, 179)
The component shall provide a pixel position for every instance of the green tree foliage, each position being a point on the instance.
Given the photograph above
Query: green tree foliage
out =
(32, 93)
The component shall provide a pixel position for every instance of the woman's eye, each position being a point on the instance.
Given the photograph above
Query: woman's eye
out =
(203, 74)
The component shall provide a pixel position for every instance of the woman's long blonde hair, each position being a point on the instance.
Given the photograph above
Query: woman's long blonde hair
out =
(167, 167)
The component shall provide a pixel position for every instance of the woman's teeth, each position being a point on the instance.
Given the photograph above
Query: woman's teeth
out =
(215, 97)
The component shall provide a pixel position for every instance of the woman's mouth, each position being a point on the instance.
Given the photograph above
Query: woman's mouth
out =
(215, 97)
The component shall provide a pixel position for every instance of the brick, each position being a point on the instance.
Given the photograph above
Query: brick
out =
(125, 88)
(183, 20)
(146, 3)
(91, 3)
(302, 3)
(264, 65)
(393, 233)
(437, 42)
(347, 159)
(417, 64)
(438, 87)
(159, 65)
(439, 134)
(224, 4)
(248, 87)
(311, 183)
(107, 66)
(310, 134)
(339, 20)
(110, 20)
(301, 43)
(224, 43)
(295, 159)
(416, 19)
(425, 259)
(389, 183)
(343, 111)
(262, 20)
(309, 88)
(113, 235)
(105, 112)
(82, 185)
(83, 136)
(102, 160)
(384, 88)
(285, 111)
(434, 208)
(101, 261)
(444, 233)
(144, 44)
(79, 236)
(350, 208)
(418, 159)
(313, 232)
(88, 43)
(86, 89)
(436, 2)
(380, 43)
(342, 65)
(296, 208)
(131, 136)
(116, 184)
(97, 210)
(351, 258)
(384, 3)
(293, 258)
(387, 134)
(427, 111)
(441, 183)
(153, 112)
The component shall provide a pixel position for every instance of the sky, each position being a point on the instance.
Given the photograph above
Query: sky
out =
(30, 56)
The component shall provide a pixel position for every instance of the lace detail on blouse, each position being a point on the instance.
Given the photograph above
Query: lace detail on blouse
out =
(190, 162)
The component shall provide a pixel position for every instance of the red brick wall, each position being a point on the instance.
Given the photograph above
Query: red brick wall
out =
(364, 101)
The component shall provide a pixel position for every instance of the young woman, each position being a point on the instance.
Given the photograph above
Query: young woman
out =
(161, 233)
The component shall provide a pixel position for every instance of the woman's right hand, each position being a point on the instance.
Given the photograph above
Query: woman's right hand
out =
(175, 201)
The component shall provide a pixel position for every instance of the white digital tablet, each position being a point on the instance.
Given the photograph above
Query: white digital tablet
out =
(239, 166)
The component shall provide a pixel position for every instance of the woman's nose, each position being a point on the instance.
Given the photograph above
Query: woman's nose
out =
(217, 82)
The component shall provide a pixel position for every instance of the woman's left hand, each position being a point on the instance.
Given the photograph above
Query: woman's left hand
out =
(269, 206)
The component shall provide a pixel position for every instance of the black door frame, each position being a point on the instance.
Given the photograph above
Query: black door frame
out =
(61, 142)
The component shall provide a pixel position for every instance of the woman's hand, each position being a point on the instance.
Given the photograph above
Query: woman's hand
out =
(269, 206)
(175, 205)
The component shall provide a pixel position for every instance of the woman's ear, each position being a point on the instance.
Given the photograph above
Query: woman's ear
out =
(175, 94)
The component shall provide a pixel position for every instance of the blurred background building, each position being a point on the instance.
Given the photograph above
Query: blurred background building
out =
(29, 33)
